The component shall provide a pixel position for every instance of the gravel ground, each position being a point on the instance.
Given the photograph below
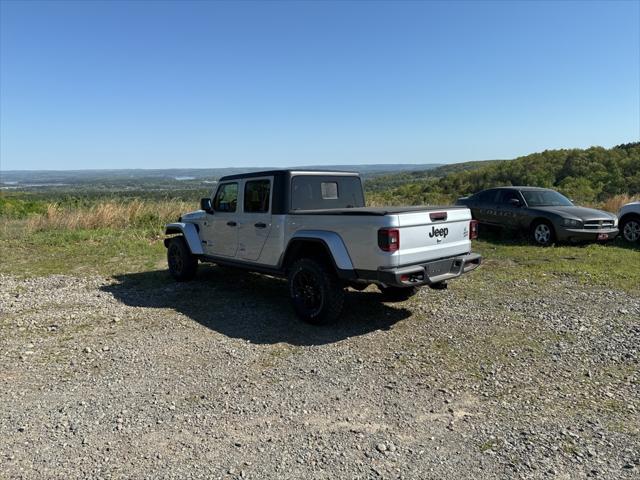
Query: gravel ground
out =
(138, 377)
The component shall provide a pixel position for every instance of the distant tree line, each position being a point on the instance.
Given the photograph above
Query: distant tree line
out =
(585, 175)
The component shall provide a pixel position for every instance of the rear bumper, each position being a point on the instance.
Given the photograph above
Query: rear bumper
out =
(586, 235)
(427, 273)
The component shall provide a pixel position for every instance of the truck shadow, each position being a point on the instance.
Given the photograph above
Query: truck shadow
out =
(251, 306)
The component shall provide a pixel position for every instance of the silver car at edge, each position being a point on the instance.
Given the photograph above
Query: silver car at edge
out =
(629, 216)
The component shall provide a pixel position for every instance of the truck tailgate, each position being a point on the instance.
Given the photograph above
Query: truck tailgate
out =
(429, 235)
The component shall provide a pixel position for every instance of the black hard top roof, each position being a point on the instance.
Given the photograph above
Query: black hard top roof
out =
(273, 173)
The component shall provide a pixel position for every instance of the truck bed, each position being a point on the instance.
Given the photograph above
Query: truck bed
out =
(377, 211)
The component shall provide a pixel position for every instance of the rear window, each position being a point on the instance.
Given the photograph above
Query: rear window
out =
(317, 192)
(256, 196)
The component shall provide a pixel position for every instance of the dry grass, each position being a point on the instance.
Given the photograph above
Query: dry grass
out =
(136, 213)
(153, 214)
(613, 204)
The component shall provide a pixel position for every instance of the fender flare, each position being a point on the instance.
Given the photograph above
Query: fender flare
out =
(334, 243)
(189, 232)
(626, 215)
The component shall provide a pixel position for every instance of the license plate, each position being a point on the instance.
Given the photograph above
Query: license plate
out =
(438, 268)
(603, 236)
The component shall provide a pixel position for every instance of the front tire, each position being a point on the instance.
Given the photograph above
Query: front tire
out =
(397, 294)
(316, 292)
(630, 228)
(182, 263)
(542, 233)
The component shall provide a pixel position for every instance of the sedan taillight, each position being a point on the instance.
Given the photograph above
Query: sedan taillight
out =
(473, 229)
(389, 239)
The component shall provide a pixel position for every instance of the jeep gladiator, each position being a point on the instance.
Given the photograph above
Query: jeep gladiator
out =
(312, 227)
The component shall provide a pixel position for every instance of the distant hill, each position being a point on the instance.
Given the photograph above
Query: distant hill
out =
(586, 175)
(384, 182)
(138, 177)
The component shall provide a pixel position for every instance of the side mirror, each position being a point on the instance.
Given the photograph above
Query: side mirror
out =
(514, 202)
(205, 204)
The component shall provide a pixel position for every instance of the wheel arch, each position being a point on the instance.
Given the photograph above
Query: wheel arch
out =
(627, 216)
(190, 233)
(325, 246)
(541, 219)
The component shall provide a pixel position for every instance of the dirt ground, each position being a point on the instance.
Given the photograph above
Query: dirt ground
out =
(136, 376)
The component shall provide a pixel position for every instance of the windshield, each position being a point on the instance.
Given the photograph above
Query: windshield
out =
(546, 198)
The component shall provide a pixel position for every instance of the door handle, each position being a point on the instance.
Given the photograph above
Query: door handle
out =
(260, 225)
(231, 224)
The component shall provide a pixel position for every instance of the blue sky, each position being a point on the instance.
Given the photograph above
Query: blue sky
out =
(201, 84)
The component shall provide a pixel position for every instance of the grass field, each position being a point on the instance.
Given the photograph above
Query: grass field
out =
(90, 233)
(29, 251)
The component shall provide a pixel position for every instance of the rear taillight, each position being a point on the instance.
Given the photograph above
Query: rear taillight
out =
(473, 229)
(389, 239)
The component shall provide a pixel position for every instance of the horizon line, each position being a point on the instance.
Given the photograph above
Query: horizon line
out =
(248, 168)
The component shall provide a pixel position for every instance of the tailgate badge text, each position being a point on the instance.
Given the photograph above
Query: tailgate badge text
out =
(438, 232)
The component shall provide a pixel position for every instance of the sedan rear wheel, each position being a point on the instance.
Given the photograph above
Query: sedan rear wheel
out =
(631, 229)
(542, 233)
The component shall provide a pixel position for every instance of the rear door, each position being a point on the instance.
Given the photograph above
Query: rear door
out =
(484, 209)
(256, 217)
(221, 234)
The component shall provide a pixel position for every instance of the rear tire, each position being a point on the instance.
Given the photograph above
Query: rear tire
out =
(630, 228)
(542, 233)
(182, 263)
(317, 295)
(397, 294)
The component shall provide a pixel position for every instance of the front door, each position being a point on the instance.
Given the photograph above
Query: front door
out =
(222, 227)
(256, 217)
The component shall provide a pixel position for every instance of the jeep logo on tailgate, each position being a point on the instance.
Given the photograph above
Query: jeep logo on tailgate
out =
(438, 232)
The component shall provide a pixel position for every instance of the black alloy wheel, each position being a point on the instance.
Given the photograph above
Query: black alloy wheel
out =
(182, 264)
(316, 292)
(630, 228)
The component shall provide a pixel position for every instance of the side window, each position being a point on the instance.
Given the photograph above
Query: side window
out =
(226, 199)
(316, 192)
(505, 195)
(486, 196)
(256, 196)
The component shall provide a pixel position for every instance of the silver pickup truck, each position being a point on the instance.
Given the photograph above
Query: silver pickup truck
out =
(313, 228)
